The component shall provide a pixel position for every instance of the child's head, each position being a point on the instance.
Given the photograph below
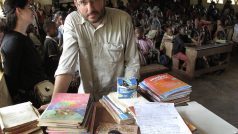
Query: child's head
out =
(181, 30)
(50, 28)
(195, 35)
(139, 32)
(221, 35)
(168, 30)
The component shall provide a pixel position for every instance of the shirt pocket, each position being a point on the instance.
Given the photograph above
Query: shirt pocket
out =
(114, 51)
(84, 48)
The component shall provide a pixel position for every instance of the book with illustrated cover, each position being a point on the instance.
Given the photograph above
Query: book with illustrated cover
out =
(66, 108)
(126, 87)
(166, 85)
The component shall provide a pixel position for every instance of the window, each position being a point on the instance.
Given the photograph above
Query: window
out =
(216, 1)
(234, 2)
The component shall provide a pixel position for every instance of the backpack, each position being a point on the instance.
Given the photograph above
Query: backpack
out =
(164, 60)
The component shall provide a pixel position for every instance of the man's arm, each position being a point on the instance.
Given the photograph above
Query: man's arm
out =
(68, 59)
(62, 83)
(132, 62)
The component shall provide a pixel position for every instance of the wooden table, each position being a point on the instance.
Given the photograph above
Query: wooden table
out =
(194, 52)
(205, 121)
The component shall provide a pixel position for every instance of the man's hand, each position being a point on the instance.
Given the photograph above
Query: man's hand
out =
(42, 108)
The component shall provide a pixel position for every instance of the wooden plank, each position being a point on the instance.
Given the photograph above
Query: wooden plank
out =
(152, 69)
(211, 49)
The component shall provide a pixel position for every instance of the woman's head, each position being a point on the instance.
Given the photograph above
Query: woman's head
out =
(17, 11)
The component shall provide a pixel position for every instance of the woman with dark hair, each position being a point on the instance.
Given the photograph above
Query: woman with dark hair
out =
(22, 64)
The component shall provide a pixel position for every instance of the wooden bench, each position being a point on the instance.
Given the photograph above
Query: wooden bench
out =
(152, 69)
(194, 52)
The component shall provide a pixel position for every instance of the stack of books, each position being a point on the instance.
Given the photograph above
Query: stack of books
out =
(126, 105)
(67, 113)
(117, 114)
(166, 88)
(122, 110)
(20, 118)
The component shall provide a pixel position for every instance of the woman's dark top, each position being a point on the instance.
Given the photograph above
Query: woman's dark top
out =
(22, 63)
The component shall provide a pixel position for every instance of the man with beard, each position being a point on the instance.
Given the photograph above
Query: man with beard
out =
(100, 43)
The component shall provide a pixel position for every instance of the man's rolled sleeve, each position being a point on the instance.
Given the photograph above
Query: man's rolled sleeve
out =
(69, 55)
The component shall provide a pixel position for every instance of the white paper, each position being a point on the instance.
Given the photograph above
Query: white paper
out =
(159, 118)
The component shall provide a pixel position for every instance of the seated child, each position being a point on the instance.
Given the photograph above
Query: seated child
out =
(144, 46)
(179, 46)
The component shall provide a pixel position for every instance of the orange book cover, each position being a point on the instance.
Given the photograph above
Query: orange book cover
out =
(165, 85)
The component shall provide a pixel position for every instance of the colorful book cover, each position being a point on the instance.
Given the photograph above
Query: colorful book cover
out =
(165, 85)
(67, 108)
(126, 87)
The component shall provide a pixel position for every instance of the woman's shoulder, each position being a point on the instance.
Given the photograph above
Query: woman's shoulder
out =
(13, 36)
(11, 40)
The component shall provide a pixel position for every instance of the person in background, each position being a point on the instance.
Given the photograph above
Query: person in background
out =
(179, 46)
(31, 33)
(59, 21)
(219, 28)
(144, 46)
(52, 53)
(22, 64)
(168, 36)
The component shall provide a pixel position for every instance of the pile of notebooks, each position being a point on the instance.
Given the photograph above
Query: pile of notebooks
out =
(67, 113)
(20, 118)
(165, 88)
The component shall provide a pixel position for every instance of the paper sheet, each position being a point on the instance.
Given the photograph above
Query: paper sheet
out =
(159, 118)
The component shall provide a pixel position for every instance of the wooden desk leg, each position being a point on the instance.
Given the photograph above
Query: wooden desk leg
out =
(192, 56)
(175, 65)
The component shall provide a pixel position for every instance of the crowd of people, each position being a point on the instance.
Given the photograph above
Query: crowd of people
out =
(180, 23)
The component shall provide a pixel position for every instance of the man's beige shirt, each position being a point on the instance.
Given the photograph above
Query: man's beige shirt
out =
(102, 54)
